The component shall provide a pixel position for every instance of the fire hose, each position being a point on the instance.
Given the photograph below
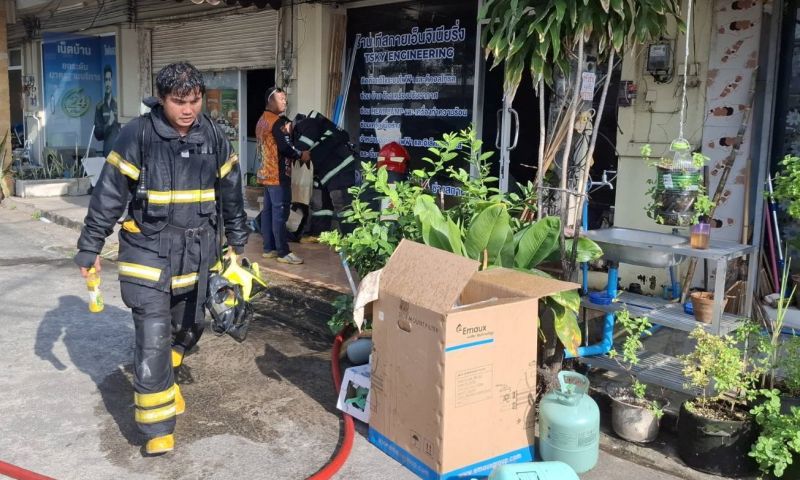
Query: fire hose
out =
(18, 473)
(325, 473)
(338, 460)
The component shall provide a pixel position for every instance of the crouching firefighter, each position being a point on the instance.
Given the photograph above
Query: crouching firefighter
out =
(334, 170)
(180, 180)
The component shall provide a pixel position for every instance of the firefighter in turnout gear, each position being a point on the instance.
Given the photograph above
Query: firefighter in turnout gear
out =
(334, 169)
(179, 180)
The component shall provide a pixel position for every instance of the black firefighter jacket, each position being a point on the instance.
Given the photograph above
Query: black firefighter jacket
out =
(169, 239)
(333, 159)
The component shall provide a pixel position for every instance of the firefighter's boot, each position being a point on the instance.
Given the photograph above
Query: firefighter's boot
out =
(180, 403)
(177, 358)
(158, 445)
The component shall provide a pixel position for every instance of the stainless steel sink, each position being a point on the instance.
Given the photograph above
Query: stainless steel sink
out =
(638, 247)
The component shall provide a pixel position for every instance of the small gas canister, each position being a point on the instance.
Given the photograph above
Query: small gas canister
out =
(569, 424)
(534, 471)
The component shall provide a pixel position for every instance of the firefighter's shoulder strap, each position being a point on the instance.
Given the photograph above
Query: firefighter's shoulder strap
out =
(218, 183)
(139, 204)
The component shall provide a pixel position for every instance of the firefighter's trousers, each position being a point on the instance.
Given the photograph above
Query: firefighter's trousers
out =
(162, 321)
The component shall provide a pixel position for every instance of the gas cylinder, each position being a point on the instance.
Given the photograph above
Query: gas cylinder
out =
(569, 424)
(534, 470)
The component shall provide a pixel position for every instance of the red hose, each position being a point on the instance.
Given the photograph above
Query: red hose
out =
(327, 471)
(349, 429)
(18, 473)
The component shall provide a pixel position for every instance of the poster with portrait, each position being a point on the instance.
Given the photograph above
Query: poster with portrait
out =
(79, 76)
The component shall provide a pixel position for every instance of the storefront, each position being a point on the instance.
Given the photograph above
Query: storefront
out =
(413, 77)
(64, 55)
(420, 72)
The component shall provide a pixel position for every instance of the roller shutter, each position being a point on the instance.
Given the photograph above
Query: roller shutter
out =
(240, 41)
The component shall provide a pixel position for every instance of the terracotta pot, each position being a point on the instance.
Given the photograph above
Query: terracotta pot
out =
(703, 306)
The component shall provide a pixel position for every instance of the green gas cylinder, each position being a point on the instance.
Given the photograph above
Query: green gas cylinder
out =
(569, 424)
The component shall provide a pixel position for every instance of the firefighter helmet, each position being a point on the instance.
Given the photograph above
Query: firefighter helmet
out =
(394, 157)
(229, 295)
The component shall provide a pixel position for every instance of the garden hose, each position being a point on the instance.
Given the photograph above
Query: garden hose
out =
(338, 460)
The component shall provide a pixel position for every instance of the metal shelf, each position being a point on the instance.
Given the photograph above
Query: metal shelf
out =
(673, 316)
(662, 312)
(653, 369)
(637, 304)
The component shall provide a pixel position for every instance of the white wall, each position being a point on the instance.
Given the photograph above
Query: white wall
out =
(312, 50)
(129, 79)
(655, 121)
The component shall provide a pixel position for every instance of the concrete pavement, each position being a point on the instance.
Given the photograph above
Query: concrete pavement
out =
(261, 409)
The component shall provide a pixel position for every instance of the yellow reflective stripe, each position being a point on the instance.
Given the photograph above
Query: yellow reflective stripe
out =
(180, 196)
(347, 161)
(139, 271)
(128, 169)
(228, 166)
(155, 415)
(130, 226)
(148, 400)
(308, 141)
(180, 281)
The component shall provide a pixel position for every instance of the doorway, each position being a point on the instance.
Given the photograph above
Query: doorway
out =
(511, 129)
(258, 81)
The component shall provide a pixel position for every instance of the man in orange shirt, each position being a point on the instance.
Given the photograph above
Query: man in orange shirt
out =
(276, 151)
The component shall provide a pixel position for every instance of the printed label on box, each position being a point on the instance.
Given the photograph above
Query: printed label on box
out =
(473, 385)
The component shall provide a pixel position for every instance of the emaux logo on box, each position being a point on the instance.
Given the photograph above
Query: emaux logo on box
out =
(468, 331)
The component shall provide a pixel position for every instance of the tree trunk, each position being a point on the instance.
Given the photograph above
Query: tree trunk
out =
(586, 172)
(542, 139)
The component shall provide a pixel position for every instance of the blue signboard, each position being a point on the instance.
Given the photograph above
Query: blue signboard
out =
(79, 88)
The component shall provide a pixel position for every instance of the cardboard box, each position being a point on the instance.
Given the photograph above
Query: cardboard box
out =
(355, 378)
(454, 363)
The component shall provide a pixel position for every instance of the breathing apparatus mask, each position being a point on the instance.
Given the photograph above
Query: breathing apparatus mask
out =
(230, 290)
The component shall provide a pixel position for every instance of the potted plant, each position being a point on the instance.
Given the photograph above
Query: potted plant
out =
(701, 230)
(777, 449)
(678, 183)
(634, 416)
(716, 431)
(775, 354)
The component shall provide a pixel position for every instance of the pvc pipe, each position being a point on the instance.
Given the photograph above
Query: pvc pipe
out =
(650, 331)
(676, 288)
(605, 344)
(602, 347)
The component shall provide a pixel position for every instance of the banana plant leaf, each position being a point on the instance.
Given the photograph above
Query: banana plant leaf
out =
(489, 233)
(537, 242)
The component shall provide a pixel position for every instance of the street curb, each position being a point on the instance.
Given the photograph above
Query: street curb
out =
(51, 216)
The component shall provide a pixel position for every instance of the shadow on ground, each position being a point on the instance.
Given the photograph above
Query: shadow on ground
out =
(100, 346)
